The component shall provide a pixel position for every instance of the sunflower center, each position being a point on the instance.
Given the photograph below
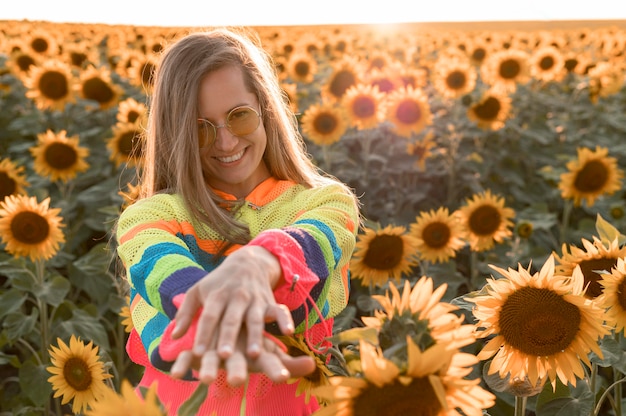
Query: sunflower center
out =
(129, 143)
(29, 227)
(479, 54)
(621, 294)
(77, 374)
(384, 252)
(488, 109)
(436, 234)
(60, 156)
(538, 321)
(363, 107)
(510, 69)
(416, 399)
(547, 62)
(592, 177)
(302, 69)
(456, 80)
(39, 45)
(7, 185)
(485, 220)
(408, 112)
(590, 269)
(146, 73)
(78, 58)
(384, 85)
(341, 82)
(98, 90)
(24, 62)
(53, 85)
(571, 64)
(325, 123)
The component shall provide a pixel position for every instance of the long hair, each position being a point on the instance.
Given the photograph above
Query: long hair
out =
(172, 161)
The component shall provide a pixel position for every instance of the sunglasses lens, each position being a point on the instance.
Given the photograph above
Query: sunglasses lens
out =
(206, 133)
(243, 121)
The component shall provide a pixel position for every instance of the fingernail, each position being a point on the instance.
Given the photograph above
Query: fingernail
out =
(254, 349)
(226, 350)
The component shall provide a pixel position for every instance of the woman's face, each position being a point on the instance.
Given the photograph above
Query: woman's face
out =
(232, 164)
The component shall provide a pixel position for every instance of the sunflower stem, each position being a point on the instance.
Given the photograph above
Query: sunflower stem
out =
(592, 385)
(616, 385)
(43, 320)
(520, 406)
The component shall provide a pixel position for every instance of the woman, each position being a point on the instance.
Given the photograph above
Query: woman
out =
(237, 235)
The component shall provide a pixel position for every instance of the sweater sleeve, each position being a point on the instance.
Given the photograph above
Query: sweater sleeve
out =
(314, 253)
(155, 245)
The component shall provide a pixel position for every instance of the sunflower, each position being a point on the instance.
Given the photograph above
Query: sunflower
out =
(420, 315)
(594, 258)
(51, 85)
(30, 229)
(297, 347)
(131, 196)
(408, 110)
(439, 235)
(422, 150)
(12, 180)
(128, 403)
(78, 374)
(125, 314)
(507, 68)
(492, 110)
(301, 67)
(141, 71)
(486, 220)
(383, 254)
(42, 42)
(543, 325)
(132, 111)
(290, 92)
(324, 123)
(386, 80)
(126, 145)
(613, 297)
(345, 73)
(20, 62)
(591, 175)
(547, 64)
(431, 385)
(364, 105)
(605, 79)
(58, 156)
(454, 77)
(96, 85)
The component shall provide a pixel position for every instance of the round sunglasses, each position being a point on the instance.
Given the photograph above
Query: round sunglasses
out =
(240, 121)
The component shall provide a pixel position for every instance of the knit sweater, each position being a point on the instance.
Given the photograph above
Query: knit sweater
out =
(311, 231)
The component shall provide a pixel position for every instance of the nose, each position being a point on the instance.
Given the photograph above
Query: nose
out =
(225, 141)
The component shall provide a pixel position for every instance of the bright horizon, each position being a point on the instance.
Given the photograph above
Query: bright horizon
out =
(288, 12)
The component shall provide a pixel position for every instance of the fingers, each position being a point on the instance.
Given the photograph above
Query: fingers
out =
(186, 312)
(281, 314)
(183, 363)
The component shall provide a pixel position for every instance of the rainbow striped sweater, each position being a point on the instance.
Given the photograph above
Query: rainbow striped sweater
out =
(312, 232)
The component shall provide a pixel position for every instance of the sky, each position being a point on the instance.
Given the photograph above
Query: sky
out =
(306, 12)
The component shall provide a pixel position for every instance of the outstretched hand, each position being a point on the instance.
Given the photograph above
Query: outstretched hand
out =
(232, 305)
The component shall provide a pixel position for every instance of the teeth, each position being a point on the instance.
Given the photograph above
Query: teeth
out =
(230, 159)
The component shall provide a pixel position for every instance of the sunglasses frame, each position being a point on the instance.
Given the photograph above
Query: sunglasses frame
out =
(227, 124)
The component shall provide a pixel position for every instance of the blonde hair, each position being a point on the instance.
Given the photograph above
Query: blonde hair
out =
(171, 155)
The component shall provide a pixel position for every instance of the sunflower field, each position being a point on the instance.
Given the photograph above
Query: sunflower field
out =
(489, 275)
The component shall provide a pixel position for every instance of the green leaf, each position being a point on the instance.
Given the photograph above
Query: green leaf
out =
(19, 325)
(607, 232)
(191, 406)
(91, 273)
(34, 383)
(54, 290)
(10, 301)
(85, 326)
(10, 359)
(547, 394)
